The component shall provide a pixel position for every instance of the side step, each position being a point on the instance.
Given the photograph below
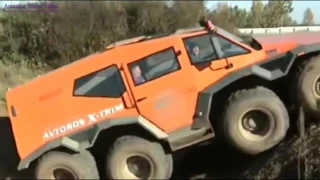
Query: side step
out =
(187, 136)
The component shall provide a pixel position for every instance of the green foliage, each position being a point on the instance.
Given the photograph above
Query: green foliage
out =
(81, 28)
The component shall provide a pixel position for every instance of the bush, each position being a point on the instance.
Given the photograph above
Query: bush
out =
(81, 28)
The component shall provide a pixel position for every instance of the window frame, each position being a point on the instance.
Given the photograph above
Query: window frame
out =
(129, 65)
(237, 44)
(199, 35)
(94, 72)
(214, 47)
(228, 34)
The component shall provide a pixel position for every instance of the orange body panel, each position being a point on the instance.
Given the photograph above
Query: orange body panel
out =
(180, 97)
(47, 102)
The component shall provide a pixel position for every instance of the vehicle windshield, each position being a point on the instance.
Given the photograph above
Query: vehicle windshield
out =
(252, 42)
(228, 34)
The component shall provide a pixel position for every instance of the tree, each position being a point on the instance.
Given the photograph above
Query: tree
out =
(308, 17)
(256, 15)
(223, 16)
(151, 19)
(277, 12)
(187, 13)
(241, 17)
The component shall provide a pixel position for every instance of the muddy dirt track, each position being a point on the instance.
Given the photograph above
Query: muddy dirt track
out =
(282, 162)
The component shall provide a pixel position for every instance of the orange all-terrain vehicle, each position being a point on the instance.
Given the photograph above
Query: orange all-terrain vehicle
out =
(125, 110)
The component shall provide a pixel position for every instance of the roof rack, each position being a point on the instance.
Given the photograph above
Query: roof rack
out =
(203, 25)
(126, 41)
(188, 30)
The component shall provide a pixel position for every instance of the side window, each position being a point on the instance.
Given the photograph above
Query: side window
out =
(230, 49)
(200, 48)
(154, 66)
(106, 82)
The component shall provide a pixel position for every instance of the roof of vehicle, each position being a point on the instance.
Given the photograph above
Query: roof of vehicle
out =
(86, 63)
(177, 32)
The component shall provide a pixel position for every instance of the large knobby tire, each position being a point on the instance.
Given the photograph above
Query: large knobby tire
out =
(60, 165)
(132, 157)
(308, 85)
(255, 120)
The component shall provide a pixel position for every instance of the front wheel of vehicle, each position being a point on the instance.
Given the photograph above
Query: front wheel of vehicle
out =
(255, 120)
(60, 165)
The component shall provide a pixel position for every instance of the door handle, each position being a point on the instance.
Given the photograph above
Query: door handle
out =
(141, 99)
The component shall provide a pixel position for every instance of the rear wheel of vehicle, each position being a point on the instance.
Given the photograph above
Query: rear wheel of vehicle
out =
(132, 157)
(255, 120)
(60, 165)
(308, 86)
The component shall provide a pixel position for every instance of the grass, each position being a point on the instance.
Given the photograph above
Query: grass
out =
(11, 75)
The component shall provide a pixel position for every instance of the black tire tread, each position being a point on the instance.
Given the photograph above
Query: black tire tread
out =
(84, 160)
(298, 77)
(127, 140)
(243, 94)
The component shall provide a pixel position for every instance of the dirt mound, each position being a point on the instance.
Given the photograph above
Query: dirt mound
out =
(291, 159)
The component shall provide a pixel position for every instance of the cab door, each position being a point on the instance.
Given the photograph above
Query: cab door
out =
(211, 55)
(164, 93)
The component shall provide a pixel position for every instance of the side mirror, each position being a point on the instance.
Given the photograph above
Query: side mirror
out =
(227, 66)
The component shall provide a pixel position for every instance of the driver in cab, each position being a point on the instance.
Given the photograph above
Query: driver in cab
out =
(194, 52)
(137, 75)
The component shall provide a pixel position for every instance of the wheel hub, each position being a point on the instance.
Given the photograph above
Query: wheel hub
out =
(316, 87)
(140, 166)
(64, 173)
(255, 124)
(249, 124)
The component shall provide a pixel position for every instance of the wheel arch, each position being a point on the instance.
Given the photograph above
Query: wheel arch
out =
(305, 53)
(85, 139)
(264, 73)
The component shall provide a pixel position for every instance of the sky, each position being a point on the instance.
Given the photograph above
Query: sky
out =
(297, 14)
